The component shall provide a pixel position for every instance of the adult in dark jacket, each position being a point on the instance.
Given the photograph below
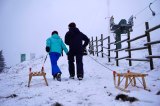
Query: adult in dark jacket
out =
(74, 39)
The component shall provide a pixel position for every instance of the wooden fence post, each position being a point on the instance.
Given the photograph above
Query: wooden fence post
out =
(89, 46)
(117, 62)
(92, 47)
(102, 45)
(149, 46)
(97, 45)
(129, 46)
(109, 60)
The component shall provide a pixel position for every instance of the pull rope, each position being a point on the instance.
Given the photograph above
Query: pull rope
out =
(100, 63)
(45, 60)
(106, 66)
(42, 69)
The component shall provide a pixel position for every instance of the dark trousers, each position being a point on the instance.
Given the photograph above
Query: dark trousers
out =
(79, 64)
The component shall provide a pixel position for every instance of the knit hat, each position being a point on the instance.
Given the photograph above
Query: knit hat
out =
(54, 32)
(72, 25)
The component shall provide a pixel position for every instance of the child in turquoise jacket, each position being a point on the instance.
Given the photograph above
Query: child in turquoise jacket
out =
(55, 46)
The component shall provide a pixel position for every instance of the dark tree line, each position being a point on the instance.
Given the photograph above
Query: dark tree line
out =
(2, 62)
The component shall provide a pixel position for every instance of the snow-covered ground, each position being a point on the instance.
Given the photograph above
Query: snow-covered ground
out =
(96, 89)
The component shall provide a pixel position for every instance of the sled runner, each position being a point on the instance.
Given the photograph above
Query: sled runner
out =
(130, 78)
(40, 73)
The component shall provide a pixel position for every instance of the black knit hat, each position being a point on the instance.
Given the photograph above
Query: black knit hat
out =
(72, 25)
(54, 32)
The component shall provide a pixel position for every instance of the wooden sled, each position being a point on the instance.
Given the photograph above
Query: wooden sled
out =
(40, 73)
(130, 79)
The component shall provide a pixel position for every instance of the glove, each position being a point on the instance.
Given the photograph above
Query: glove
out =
(47, 49)
(67, 54)
(84, 51)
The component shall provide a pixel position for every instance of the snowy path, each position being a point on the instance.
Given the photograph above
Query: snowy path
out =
(93, 90)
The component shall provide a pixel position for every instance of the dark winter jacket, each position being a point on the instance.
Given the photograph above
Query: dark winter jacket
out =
(74, 39)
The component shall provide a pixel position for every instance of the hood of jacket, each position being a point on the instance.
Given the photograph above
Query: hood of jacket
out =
(74, 30)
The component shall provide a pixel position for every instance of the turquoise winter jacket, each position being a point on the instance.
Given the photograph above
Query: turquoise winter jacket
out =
(56, 44)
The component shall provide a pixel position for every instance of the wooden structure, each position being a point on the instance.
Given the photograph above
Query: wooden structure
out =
(103, 46)
(130, 79)
(40, 73)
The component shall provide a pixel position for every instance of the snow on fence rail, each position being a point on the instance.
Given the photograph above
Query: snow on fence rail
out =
(94, 47)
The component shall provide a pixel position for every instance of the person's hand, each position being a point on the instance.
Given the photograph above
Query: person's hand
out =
(47, 49)
(84, 51)
(67, 53)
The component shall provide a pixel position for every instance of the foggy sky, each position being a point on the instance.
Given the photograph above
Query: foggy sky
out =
(26, 24)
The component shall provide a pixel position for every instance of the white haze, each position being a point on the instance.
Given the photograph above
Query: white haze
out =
(26, 24)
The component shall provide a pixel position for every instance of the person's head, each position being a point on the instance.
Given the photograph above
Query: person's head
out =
(54, 32)
(72, 25)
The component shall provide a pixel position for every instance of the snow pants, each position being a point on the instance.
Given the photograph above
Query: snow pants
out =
(54, 58)
(79, 65)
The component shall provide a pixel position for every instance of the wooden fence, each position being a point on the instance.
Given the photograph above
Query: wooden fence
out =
(94, 46)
